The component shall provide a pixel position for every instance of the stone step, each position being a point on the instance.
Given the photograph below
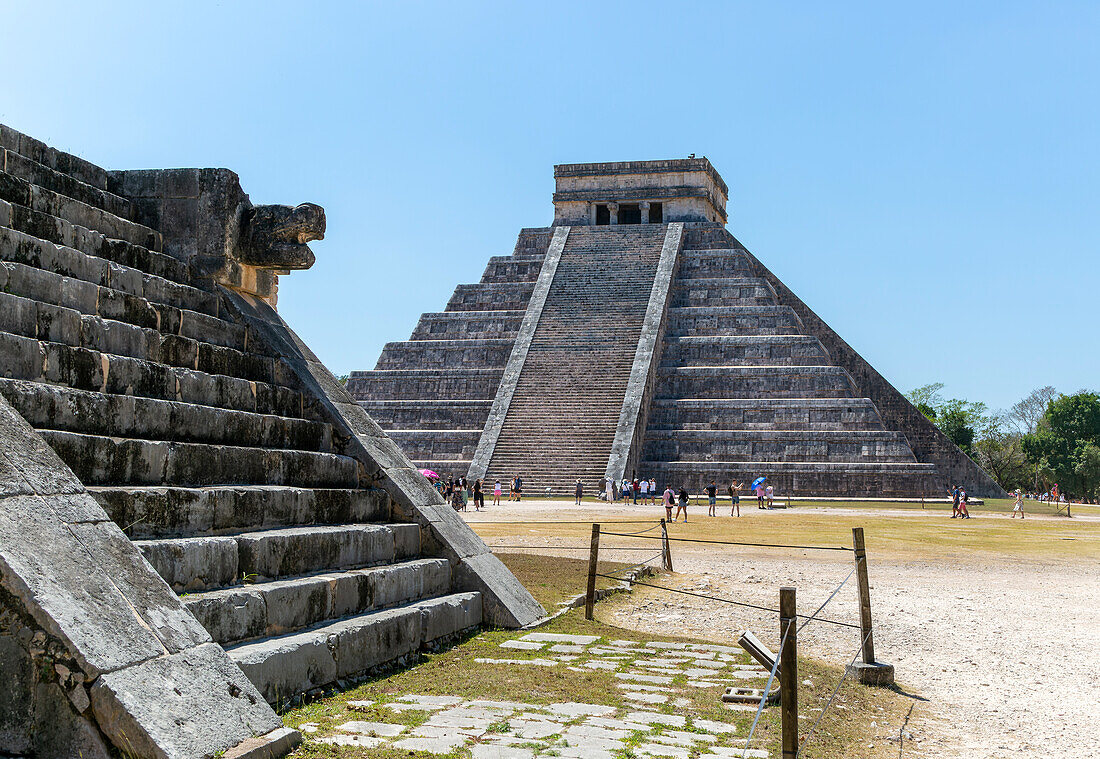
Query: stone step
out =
(804, 479)
(64, 184)
(33, 360)
(20, 248)
(21, 192)
(447, 325)
(384, 384)
(29, 317)
(87, 299)
(101, 460)
(776, 445)
(491, 296)
(743, 350)
(58, 160)
(733, 320)
(125, 416)
(159, 511)
(446, 354)
(277, 607)
(765, 413)
(210, 562)
(93, 243)
(283, 666)
(755, 382)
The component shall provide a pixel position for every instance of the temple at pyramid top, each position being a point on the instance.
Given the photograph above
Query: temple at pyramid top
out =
(638, 192)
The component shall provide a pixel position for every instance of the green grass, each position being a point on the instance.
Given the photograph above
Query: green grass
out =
(454, 672)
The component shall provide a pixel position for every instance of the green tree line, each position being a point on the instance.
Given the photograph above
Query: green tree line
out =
(1045, 438)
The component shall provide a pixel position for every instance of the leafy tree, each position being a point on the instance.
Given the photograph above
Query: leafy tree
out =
(998, 450)
(1067, 443)
(927, 399)
(342, 378)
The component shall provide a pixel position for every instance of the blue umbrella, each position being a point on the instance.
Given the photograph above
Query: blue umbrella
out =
(756, 482)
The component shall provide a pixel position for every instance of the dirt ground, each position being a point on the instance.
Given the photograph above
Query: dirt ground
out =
(1000, 650)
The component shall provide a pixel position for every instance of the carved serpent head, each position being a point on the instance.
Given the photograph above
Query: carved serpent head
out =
(275, 237)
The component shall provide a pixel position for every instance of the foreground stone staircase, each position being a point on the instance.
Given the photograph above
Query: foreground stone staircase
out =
(432, 394)
(203, 442)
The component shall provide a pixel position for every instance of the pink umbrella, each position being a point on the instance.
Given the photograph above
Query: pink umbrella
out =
(429, 474)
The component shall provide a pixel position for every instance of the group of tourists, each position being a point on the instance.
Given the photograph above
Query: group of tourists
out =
(645, 491)
(459, 491)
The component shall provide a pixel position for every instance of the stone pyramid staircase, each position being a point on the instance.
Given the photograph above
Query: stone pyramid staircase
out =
(563, 413)
(215, 453)
(742, 391)
(433, 393)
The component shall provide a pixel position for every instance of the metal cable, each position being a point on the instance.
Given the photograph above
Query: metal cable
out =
(732, 542)
(835, 691)
(764, 694)
(827, 600)
(729, 601)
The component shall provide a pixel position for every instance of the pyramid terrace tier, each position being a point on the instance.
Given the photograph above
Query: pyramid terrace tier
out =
(409, 384)
(755, 382)
(721, 291)
(428, 414)
(764, 414)
(507, 269)
(853, 446)
(483, 353)
(733, 320)
(849, 479)
(714, 263)
(467, 325)
(491, 296)
(744, 350)
(437, 445)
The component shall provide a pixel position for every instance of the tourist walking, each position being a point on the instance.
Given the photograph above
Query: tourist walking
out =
(683, 504)
(496, 493)
(634, 490)
(712, 498)
(1019, 505)
(955, 500)
(579, 492)
(479, 496)
(609, 488)
(735, 497)
(964, 500)
(769, 493)
(517, 487)
(760, 495)
(670, 501)
(644, 485)
(653, 491)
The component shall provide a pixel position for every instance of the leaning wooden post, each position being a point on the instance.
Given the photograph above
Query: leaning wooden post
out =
(788, 671)
(593, 557)
(869, 671)
(666, 548)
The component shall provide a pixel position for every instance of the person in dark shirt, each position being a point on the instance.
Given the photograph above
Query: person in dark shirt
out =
(682, 505)
(712, 498)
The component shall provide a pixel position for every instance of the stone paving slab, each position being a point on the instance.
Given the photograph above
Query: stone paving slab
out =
(580, 640)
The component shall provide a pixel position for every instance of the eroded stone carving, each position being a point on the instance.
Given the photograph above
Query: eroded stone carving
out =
(275, 237)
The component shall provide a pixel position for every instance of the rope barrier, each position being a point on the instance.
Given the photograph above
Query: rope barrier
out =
(633, 534)
(572, 548)
(552, 521)
(835, 691)
(827, 600)
(764, 694)
(730, 601)
(730, 542)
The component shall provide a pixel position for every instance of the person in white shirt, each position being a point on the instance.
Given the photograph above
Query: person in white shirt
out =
(653, 491)
(643, 486)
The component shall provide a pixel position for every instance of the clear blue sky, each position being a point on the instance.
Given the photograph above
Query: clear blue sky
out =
(925, 178)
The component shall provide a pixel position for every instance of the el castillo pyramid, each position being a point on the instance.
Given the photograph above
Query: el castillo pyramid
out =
(636, 335)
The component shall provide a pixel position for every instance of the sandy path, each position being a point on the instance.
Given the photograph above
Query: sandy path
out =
(1006, 653)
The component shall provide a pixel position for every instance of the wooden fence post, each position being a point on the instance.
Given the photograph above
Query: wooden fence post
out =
(666, 548)
(788, 671)
(593, 557)
(869, 672)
